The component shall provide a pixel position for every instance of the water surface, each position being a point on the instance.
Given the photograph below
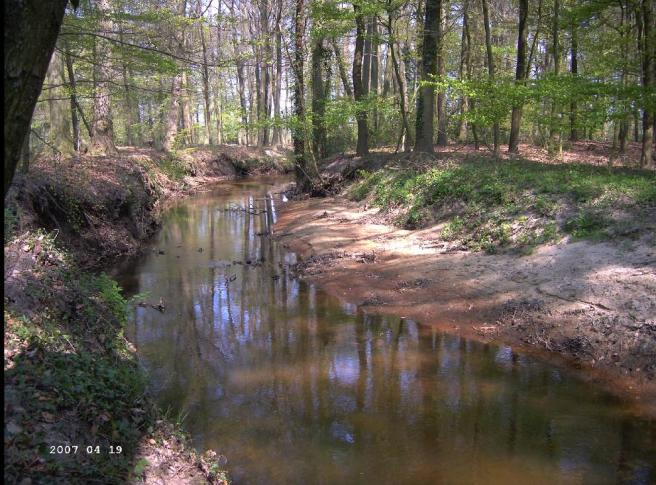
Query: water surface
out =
(294, 386)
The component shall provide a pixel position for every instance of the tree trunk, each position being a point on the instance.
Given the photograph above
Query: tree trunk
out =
(490, 66)
(373, 83)
(574, 70)
(341, 66)
(403, 93)
(58, 109)
(463, 69)
(554, 128)
(426, 95)
(173, 119)
(130, 118)
(520, 73)
(648, 45)
(187, 115)
(441, 71)
(359, 88)
(102, 127)
(366, 58)
(75, 121)
(277, 84)
(318, 99)
(206, 90)
(31, 29)
(304, 175)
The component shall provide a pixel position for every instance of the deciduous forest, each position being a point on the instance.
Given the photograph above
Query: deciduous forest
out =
(263, 241)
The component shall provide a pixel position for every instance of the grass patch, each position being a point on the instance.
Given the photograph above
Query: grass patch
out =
(510, 204)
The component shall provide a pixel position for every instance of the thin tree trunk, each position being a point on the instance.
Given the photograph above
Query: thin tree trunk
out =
(187, 115)
(490, 66)
(366, 59)
(277, 84)
(648, 45)
(403, 93)
(464, 62)
(341, 66)
(373, 83)
(520, 73)
(359, 88)
(206, 90)
(536, 36)
(75, 121)
(318, 99)
(574, 70)
(441, 71)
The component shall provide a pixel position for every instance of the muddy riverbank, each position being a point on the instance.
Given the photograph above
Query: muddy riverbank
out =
(584, 303)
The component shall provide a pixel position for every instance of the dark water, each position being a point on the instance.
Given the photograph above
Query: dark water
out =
(293, 386)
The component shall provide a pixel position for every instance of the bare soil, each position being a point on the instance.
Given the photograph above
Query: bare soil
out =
(106, 207)
(588, 304)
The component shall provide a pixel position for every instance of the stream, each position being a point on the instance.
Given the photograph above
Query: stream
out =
(293, 386)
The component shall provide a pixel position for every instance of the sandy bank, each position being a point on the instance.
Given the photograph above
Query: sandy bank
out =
(588, 304)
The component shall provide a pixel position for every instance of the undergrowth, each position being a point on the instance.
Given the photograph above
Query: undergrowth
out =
(512, 204)
(71, 377)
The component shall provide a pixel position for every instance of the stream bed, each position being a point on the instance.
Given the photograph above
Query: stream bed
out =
(295, 386)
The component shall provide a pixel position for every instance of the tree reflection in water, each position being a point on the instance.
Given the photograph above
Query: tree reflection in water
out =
(295, 387)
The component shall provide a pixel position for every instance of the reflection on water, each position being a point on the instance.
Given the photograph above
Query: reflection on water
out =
(295, 387)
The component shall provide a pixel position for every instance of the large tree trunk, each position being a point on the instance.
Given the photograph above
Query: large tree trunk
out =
(318, 99)
(490, 66)
(173, 118)
(102, 127)
(131, 114)
(58, 109)
(359, 88)
(426, 95)
(31, 29)
(520, 74)
(648, 45)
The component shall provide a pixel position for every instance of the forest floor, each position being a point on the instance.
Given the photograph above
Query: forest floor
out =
(556, 259)
(71, 377)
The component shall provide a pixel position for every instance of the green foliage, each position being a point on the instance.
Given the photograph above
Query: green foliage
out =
(491, 205)
(174, 167)
(10, 223)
